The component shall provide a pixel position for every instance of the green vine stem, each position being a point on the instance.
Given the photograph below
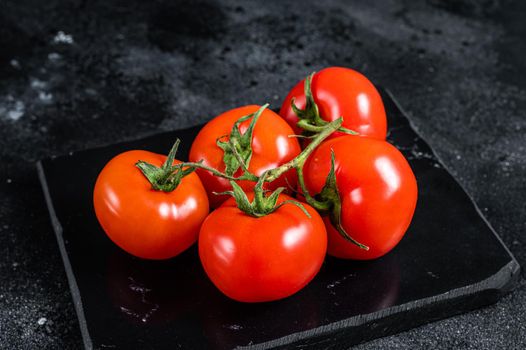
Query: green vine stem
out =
(328, 200)
(330, 194)
(296, 163)
(237, 154)
(300, 159)
(309, 117)
(237, 150)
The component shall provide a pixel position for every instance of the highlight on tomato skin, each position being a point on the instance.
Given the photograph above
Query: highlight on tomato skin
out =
(272, 146)
(144, 222)
(378, 192)
(341, 92)
(262, 259)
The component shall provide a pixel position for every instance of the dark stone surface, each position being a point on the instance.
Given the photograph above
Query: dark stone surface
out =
(449, 262)
(122, 70)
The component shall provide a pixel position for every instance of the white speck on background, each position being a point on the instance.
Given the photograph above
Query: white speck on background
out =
(15, 264)
(38, 84)
(14, 63)
(17, 112)
(63, 38)
(45, 97)
(54, 57)
(42, 321)
(91, 92)
(430, 273)
(234, 327)
(9, 181)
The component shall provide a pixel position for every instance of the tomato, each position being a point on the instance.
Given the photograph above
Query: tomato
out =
(271, 147)
(144, 222)
(378, 193)
(262, 259)
(341, 92)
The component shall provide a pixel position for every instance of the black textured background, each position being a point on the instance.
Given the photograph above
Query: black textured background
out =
(77, 74)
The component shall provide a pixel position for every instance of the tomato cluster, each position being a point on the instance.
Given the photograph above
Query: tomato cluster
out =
(356, 193)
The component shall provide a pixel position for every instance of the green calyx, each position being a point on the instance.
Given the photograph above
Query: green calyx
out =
(330, 195)
(262, 204)
(167, 177)
(238, 148)
(309, 117)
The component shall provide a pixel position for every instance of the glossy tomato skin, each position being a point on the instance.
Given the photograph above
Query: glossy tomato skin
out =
(147, 223)
(378, 191)
(271, 146)
(262, 259)
(341, 92)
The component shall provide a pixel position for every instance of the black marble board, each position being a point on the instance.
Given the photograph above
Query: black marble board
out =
(450, 261)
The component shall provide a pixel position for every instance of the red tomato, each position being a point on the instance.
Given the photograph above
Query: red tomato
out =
(262, 259)
(271, 146)
(341, 92)
(147, 223)
(378, 192)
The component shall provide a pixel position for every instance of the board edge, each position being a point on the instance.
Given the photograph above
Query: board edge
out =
(501, 282)
(72, 282)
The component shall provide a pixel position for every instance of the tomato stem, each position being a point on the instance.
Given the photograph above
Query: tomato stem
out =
(168, 176)
(309, 118)
(237, 150)
(262, 204)
(330, 194)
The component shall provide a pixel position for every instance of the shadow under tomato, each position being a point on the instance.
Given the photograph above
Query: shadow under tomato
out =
(360, 287)
(229, 323)
(154, 292)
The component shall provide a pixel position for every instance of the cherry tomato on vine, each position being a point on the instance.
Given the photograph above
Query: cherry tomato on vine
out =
(271, 146)
(341, 92)
(148, 223)
(377, 189)
(261, 259)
